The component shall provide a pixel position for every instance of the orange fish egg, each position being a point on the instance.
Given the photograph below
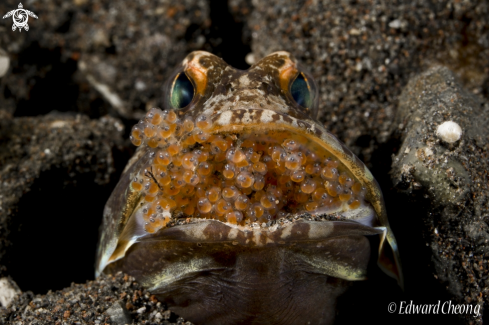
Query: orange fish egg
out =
(173, 149)
(202, 155)
(332, 188)
(171, 117)
(136, 142)
(203, 122)
(214, 194)
(200, 136)
(167, 130)
(163, 158)
(332, 163)
(320, 194)
(136, 133)
(345, 196)
(137, 186)
(259, 182)
(355, 204)
(235, 155)
(258, 210)
(150, 131)
(311, 206)
(229, 171)
(223, 207)
(218, 144)
(204, 168)
(188, 125)
(245, 179)
(290, 144)
(308, 186)
(248, 144)
(242, 202)
(267, 202)
(260, 167)
(189, 141)
(189, 161)
(171, 190)
(255, 156)
(298, 176)
(229, 193)
(329, 173)
(153, 142)
(356, 188)
(204, 205)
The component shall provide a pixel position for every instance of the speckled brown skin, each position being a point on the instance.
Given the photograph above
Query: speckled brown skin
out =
(211, 272)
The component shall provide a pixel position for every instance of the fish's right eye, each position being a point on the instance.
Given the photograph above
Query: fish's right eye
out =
(182, 91)
(301, 91)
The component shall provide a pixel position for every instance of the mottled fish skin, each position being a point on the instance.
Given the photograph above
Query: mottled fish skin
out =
(235, 100)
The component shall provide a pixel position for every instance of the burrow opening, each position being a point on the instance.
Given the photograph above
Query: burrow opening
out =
(55, 231)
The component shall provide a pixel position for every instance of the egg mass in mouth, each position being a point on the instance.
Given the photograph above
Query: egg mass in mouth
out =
(238, 178)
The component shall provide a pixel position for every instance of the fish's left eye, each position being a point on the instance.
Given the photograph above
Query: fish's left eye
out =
(301, 91)
(182, 91)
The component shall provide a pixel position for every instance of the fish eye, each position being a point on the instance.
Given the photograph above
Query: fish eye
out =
(301, 91)
(182, 91)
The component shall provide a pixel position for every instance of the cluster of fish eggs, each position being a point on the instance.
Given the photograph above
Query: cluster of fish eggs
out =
(234, 178)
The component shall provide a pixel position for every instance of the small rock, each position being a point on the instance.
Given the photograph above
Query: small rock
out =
(250, 58)
(4, 63)
(355, 32)
(119, 314)
(396, 24)
(8, 291)
(449, 131)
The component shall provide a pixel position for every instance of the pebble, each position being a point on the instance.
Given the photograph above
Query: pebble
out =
(4, 63)
(449, 131)
(8, 291)
(119, 314)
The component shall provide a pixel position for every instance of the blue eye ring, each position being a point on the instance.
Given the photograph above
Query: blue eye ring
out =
(182, 91)
(301, 92)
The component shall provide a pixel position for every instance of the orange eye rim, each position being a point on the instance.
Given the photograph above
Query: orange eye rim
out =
(198, 76)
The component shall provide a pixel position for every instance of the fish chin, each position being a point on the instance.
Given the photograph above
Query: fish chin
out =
(205, 268)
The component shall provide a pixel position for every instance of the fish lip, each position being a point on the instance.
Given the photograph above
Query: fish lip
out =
(300, 230)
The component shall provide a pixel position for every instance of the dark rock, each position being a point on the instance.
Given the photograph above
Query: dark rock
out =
(449, 179)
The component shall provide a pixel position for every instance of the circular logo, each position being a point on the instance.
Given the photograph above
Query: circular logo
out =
(20, 18)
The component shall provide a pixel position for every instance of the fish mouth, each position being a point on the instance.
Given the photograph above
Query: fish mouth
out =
(241, 167)
(243, 178)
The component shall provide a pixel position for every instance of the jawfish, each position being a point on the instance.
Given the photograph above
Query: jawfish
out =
(238, 206)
